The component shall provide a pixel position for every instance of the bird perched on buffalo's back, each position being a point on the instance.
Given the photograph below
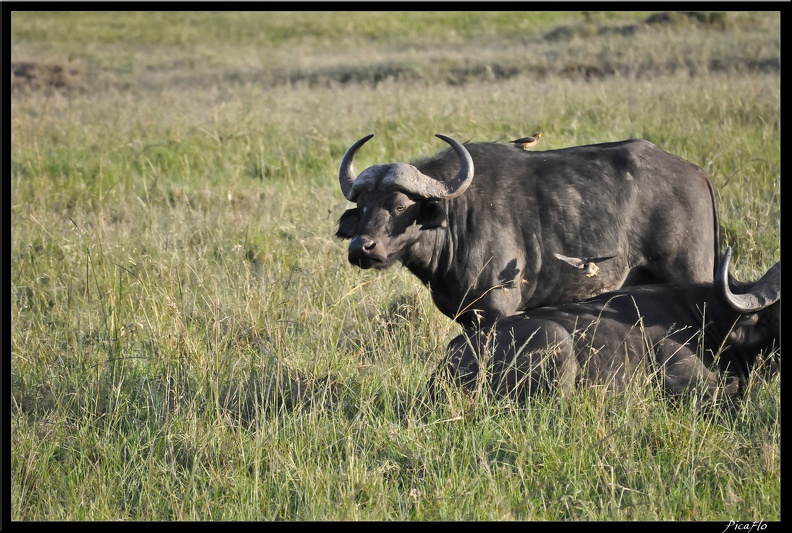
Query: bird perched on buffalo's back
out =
(528, 142)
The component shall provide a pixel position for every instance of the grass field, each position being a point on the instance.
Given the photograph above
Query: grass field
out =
(188, 341)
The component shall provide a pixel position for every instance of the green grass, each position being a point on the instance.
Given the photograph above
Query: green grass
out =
(188, 341)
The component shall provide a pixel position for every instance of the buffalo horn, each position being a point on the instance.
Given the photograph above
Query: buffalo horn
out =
(346, 176)
(763, 293)
(445, 190)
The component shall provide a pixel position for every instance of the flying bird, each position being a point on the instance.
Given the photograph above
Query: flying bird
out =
(588, 266)
(528, 142)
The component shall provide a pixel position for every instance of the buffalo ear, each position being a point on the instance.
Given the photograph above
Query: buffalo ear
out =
(348, 223)
(432, 215)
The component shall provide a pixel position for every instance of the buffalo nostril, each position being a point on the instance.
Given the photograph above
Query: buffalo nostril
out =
(362, 247)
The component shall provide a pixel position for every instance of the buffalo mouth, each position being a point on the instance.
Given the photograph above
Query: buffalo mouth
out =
(369, 262)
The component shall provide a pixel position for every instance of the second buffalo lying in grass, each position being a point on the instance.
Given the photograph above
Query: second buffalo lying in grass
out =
(696, 338)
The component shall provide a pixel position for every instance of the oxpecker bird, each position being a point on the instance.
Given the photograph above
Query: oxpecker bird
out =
(528, 142)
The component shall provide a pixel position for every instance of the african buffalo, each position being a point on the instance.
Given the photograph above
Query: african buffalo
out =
(691, 336)
(482, 240)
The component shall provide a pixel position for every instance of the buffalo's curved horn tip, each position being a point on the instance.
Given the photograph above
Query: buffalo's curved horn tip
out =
(464, 177)
(346, 174)
(763, 293)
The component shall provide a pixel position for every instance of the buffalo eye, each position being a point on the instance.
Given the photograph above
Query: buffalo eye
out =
(399, 206)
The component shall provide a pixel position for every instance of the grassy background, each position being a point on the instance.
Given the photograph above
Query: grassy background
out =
(189, 342)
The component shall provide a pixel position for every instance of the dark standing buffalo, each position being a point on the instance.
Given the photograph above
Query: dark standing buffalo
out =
(483, 241)
(692, 336)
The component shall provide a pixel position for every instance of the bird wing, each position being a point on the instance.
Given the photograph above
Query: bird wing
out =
(599, 259)
(574, 261)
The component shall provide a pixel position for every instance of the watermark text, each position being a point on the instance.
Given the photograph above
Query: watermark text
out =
(745, 527)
